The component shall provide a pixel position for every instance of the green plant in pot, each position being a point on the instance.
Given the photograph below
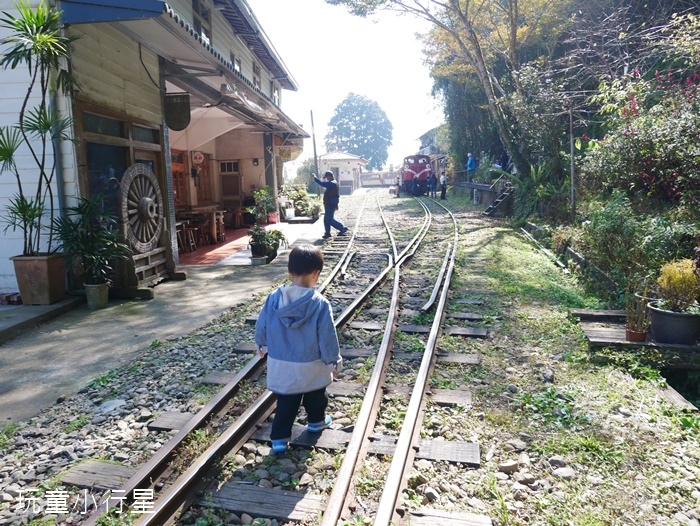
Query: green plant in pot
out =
(265, 243)
(35, 41)
(264, 204)
(636, 312)
(89, 238)
(676, 318)
(315, 209)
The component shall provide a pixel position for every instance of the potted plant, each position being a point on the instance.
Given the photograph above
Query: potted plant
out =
(676, 317)
(35, 41)
(276, 239)
(315, 209)
(637, 313)
(265, 209)
(89, 238)
(265, 243)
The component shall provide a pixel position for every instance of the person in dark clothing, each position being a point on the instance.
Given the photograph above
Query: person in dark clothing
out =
(503, 161)
(415, 188)
(331, 198)
(432, 185)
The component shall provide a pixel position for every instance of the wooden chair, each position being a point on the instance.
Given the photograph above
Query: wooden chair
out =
(201, 232)
(190, 238)
(181, 245)
(220, 230)
(237, 218)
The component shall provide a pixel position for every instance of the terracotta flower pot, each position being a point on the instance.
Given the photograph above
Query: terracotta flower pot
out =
(635, 336)
(41, 279)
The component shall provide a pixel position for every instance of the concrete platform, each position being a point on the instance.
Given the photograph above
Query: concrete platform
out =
(53, 351)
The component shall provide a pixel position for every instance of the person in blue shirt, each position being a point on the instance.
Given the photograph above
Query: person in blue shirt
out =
(331, 198)
(295, 328)
(472, 165)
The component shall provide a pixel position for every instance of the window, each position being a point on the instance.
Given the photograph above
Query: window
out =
(112, 143)
(228, 167)
(106, 165)
(103, 125)
(275, 93)
(256, 76)
(144, 134)
(236, 62)
(179, 167)
(202, 19)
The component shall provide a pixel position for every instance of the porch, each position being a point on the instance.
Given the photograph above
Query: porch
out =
(235, 250)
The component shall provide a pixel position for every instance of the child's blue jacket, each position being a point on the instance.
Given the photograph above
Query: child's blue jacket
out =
(301, 341)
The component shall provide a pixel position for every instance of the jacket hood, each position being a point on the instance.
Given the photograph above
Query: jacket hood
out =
(297, 310)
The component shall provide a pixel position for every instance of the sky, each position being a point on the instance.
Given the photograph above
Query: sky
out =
(331, 53)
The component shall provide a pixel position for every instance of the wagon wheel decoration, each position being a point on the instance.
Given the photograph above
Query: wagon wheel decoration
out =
(141, 208)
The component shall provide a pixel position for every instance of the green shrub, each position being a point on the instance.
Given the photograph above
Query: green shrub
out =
(612, 237)
(678, 284)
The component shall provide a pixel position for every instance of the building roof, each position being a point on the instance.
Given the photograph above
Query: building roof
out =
(342, 156)
(241, 18)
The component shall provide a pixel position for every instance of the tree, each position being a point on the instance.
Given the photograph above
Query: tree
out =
(482, 33)
(304, 176)
(360, 127)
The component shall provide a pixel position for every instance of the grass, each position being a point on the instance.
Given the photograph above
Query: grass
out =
(550, 406)
(583, 448)
(523, 274)
(202, 393)
(102, 381)
(194, 445)
(78, 423)
(6, 432)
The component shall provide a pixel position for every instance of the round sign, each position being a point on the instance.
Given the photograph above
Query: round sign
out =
(197, 157)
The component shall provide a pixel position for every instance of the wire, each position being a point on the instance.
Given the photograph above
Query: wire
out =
(148, 72)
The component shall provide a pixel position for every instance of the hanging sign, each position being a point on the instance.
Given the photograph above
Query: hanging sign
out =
(197, 157)
(284, 153)
(177, 110)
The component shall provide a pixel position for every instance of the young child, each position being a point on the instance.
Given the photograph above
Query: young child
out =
(295, 328)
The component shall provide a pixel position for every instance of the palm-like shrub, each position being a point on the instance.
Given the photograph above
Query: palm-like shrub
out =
(37, 43)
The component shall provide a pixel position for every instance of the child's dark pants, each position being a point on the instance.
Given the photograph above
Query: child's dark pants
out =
(314, 402)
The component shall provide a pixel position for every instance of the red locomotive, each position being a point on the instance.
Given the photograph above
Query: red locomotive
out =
(416, 167)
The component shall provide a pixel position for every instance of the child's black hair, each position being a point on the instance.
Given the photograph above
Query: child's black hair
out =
(304, 259)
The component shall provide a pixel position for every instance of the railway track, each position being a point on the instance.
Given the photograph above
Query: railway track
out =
(389, 288)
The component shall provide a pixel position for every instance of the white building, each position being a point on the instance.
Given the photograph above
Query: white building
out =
(346, 167)
(132, 63)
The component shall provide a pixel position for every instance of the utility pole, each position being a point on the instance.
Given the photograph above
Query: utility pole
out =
(571, 147)
(313, 139)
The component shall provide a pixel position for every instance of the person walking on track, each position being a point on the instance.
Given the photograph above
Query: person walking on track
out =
(295, 328)
(331, 198)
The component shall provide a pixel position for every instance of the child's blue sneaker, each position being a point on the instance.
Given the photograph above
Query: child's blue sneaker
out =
(319, 426)
(280, 446)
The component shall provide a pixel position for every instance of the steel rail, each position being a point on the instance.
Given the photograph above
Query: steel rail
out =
(388, 231)
(364, 423)
(386, 510)
(157, 464)
(420, 235)
(344, 270)
(341, 261)
(347, 314)
(438, 282)
(172, 499)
